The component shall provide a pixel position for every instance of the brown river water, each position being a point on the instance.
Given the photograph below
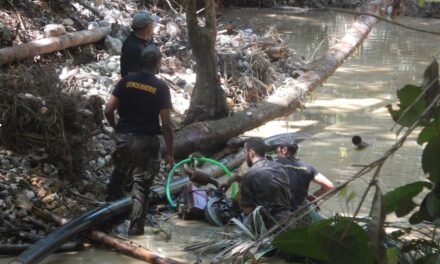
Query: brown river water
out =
(352, 102)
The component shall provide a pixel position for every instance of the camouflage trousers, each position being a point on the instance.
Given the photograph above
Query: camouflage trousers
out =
(135, 159)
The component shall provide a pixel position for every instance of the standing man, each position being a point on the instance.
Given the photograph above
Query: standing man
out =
(140, 99)
(142, 36)
(300, 173)
(264, 184)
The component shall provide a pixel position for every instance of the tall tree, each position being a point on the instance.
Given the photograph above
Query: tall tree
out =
(208, 100)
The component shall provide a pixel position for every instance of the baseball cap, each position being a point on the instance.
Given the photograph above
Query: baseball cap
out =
(141, 19)
(151, 52)
(288, 142)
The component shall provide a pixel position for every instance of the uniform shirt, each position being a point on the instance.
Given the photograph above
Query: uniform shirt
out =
(267, 184)
(300, 175)
(141, 97)
(131, 54)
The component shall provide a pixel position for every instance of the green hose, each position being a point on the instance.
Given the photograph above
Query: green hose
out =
(171, 173)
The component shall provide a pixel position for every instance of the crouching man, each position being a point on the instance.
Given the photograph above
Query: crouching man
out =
(265, 184)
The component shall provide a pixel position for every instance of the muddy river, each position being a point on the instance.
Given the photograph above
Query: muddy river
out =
(352, 102)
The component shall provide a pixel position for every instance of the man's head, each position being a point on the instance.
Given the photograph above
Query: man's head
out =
(286, 147)
(142, 24)
(254, 150)
(151, 59)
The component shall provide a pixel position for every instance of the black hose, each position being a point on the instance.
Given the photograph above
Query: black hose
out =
(66, 232)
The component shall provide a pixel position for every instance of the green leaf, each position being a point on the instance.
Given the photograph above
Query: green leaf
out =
(430, 160)
(419, 216)
(343, 192)
(430, 131)
(407, 95)
(392, 255)
(421, 3)
(350, 197)
(331, 240)
(400, 200)
(433, 205)
(430, 259)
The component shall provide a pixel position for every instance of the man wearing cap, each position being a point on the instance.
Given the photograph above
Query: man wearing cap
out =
(265, 184)
(300, 173)
(141, 36)
(141, 100)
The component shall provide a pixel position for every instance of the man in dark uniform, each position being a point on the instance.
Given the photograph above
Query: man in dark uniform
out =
(140, 99)
(133, 45)
(265, 184)
(300, 173)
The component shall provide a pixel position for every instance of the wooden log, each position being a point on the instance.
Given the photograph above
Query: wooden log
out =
(123, 246)
(48, 45)
(207, 135)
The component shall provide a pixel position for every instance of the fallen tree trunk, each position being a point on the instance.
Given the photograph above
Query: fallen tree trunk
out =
(212, 134)
(48, 45)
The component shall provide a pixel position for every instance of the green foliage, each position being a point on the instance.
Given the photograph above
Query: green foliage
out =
(409, 111)
(430, 259)
(430, 131)
(400, 200)
(392, 255)
(430, 159)
(4, 31)
(330, 240)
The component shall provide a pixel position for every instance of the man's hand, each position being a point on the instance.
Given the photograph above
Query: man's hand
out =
(224, 187)
(169, 161)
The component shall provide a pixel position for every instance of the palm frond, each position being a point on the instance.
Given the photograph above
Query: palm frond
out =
(238, 242)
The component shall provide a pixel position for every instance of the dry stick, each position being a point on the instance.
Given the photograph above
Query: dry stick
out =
(129, 248)
(171, 7)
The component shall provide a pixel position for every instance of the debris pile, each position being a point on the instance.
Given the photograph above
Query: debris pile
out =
(28, 182)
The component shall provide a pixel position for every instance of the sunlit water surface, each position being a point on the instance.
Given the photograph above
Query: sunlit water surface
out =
(350, 102)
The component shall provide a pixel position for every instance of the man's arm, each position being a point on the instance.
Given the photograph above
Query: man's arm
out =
(326, 184)
(168, 134)
(110, 108)
(224, 187)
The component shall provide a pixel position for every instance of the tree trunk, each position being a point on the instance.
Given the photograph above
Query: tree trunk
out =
(208, 100)
(211, 134)
(48, 45)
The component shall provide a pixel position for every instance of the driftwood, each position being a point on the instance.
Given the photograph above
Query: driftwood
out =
(123, 246)
(287, 98)
(48, 45)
